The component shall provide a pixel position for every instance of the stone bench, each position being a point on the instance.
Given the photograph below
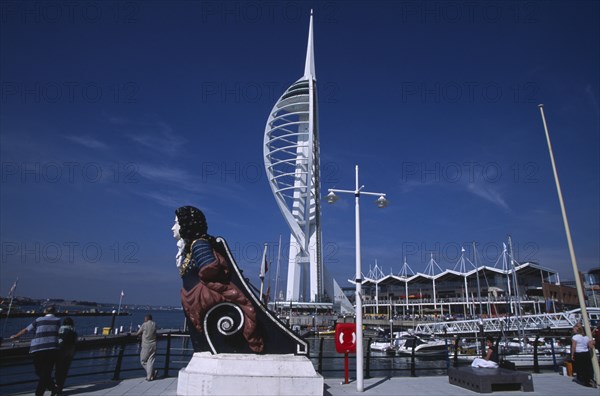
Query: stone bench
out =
(487, 380)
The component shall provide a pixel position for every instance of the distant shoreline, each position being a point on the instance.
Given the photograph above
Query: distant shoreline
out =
(62, 313)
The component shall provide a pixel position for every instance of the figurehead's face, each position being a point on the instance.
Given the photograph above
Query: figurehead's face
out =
(175, 229)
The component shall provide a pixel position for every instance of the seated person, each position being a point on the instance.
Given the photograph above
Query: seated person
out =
(491, 357)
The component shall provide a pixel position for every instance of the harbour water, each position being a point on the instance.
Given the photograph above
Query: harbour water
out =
(86, 325)
(99, 360)
(103, 360)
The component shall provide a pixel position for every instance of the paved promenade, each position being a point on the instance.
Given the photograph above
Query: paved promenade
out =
(547, 384)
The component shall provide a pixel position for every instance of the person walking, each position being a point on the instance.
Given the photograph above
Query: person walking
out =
(580, 354)
(44, 348)
(67, 337)
(147, 355)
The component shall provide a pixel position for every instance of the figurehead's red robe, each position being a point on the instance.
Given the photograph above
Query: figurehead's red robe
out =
(214, 288)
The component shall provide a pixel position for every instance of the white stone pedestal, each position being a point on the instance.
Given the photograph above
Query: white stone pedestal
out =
(240, 374)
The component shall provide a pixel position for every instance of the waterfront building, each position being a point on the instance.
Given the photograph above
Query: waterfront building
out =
(592, 287)
(487, 291)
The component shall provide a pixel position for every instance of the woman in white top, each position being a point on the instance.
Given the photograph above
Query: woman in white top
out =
(580, 354)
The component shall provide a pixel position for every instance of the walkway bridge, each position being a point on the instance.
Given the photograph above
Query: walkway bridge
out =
(562, 321)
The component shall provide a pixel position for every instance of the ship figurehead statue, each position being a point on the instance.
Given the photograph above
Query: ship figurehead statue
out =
(223, 314)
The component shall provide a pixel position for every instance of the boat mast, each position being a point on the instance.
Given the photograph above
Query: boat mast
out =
(516, 285)
(478, 288)
(506, 268)
(462, 258)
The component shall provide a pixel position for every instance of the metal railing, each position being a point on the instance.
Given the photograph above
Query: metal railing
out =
(116, 361)
(121, 361)
(562, 320)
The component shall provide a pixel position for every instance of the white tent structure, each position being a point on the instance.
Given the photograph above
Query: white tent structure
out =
(466, 290)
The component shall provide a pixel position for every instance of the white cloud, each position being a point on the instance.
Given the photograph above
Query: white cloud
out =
(87, 141)
(590, 92)
(184, 186)
(166, 174)
(488, 194)
(155, 135)
(484, 191)
(172, 201)
(164, 140)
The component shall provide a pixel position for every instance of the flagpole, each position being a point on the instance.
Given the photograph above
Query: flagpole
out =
(580, 295)
(262, 272)
(7, 315)
(12, 296)
(120, 300)
(277, 272)
(268, 295)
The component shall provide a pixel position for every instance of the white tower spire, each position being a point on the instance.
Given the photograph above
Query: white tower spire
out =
(291, 155)
(309, 65)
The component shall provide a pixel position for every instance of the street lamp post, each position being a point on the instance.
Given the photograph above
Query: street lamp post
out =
(381, 203)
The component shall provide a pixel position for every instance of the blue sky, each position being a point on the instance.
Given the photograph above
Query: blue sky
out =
(114, 114)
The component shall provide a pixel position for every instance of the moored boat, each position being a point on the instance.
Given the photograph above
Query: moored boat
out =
(383, 346)
(423, 346)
